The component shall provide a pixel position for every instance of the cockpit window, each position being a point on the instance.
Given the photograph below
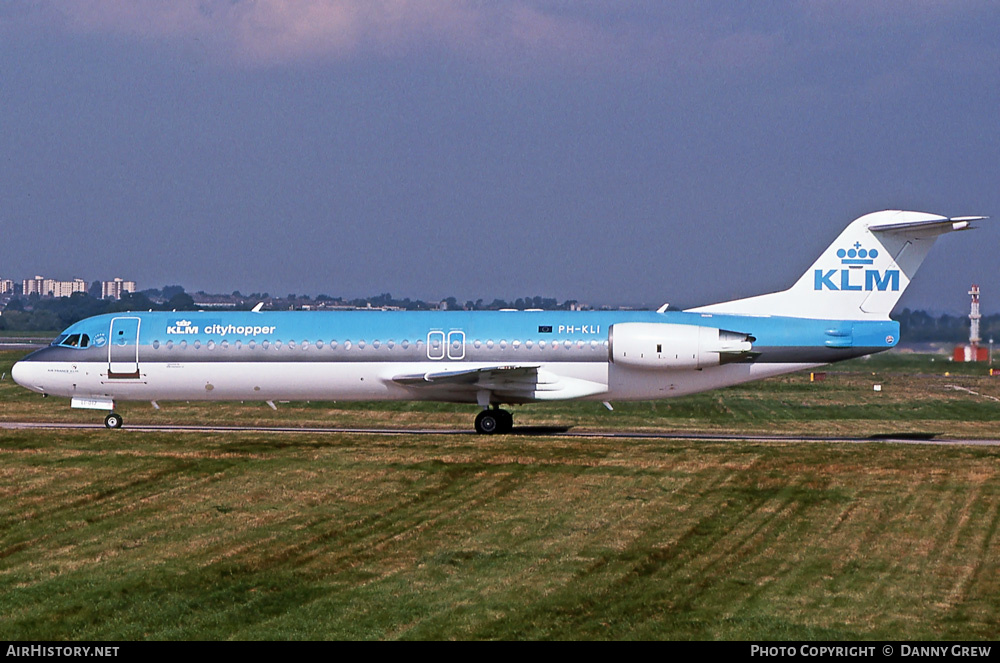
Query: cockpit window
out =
(73, 341)
(59, 339)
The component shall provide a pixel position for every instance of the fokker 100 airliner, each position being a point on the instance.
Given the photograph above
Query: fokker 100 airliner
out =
(837, 310)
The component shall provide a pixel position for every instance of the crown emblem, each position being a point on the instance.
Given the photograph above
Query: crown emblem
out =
(857, 255)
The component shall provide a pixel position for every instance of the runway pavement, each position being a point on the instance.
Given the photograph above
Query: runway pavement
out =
(537, 431)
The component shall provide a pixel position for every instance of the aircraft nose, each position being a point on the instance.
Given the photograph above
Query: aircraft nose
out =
(25, 373)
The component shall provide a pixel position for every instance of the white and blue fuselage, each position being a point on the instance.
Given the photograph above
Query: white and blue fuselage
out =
(375, 355)
(497, 357)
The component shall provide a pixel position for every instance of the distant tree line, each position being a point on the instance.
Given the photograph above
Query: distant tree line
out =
(921, 327)
(34, 313)
(452, 304)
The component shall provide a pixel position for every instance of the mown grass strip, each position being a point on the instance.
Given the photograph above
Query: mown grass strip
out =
(119, 535)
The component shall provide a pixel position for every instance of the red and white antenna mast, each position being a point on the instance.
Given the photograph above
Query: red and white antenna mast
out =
(974, 318)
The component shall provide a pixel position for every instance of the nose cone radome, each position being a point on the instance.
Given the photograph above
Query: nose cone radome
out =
(26, 374)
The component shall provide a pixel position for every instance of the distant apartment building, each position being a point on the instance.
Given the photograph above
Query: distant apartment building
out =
(51, 288)
(33, 286)
(116, 288)
(6, 287)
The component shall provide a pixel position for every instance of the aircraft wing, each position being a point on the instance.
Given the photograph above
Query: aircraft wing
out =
(514, 384)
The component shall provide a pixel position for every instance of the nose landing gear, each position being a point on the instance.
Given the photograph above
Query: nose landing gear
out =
(113, 420)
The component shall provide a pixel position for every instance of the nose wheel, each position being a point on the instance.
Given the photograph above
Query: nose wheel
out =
(113, 420)
(493, 421)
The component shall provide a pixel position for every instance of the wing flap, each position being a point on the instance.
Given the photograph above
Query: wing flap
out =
(472, 376)
(517, 383)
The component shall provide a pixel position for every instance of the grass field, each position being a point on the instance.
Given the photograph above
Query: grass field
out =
(133, 535)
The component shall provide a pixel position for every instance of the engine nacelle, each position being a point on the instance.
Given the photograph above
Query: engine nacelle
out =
(671, 346)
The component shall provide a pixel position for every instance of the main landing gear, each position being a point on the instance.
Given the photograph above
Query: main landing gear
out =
(493, 421)
(113, 420)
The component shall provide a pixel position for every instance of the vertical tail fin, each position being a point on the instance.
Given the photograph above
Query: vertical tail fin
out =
(861, 275)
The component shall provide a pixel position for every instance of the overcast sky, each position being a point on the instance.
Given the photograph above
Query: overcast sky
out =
(611, 152)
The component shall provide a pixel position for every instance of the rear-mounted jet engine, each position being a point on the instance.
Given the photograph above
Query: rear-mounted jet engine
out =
(670, 346)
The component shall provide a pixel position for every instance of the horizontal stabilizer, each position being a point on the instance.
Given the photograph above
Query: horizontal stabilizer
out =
(934, 226)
